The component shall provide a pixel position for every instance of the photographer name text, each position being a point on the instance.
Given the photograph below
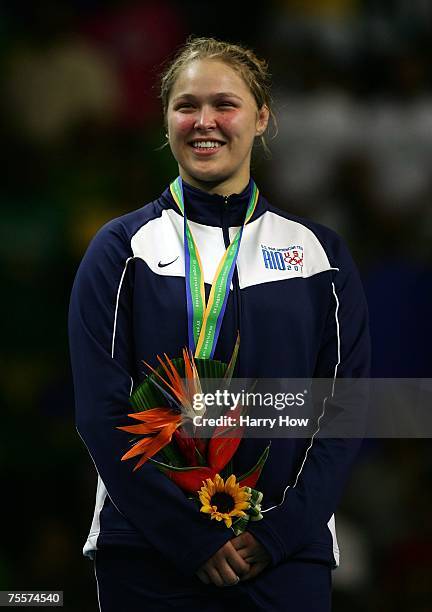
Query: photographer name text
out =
(247, 421)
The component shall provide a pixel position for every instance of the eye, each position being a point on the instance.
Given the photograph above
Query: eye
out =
(183, 106)
(226, 103)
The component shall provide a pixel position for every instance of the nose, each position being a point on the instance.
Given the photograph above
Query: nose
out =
(205, 119)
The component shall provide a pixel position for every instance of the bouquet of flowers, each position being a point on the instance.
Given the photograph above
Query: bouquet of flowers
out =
(201, 467)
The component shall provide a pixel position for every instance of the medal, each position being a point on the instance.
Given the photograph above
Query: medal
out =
(205, 321)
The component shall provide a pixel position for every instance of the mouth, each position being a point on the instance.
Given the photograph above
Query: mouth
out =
(206, 147)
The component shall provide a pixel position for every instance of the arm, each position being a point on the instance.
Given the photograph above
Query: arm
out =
(310, 501)
(101, 348)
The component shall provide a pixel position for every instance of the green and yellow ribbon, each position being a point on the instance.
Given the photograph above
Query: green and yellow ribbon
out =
(205, 321)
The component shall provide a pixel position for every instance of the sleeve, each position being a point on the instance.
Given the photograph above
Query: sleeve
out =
(100, 312)
(313, 497)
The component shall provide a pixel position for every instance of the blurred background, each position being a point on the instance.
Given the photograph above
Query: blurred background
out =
(81, 126)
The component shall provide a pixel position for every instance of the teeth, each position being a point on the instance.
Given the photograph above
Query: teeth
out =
(207, 144)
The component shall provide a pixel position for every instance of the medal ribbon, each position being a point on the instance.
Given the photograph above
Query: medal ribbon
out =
(204, 322)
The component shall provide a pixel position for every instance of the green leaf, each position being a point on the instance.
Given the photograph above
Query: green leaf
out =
(232, 363)
(258, 464)
(175, 468)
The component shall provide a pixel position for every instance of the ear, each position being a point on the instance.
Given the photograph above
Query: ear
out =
(262, 120)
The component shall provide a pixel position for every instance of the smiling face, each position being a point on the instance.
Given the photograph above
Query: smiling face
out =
(212, 120)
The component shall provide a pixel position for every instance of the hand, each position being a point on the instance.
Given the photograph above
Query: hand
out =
(224, 568)
(253, 552)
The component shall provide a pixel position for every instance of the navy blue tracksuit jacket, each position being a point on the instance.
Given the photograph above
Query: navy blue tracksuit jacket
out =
(298, 302)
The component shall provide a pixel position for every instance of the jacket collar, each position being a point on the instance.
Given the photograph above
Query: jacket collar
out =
(214, 209)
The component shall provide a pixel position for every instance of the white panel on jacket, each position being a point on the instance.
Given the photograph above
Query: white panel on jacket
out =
(160, 244)
(91, 544)
(274, 248)
(332, 526)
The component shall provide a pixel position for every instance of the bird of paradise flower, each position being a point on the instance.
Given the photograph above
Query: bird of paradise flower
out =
(206, 459)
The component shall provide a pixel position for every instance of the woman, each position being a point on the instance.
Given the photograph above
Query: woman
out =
(297, 302)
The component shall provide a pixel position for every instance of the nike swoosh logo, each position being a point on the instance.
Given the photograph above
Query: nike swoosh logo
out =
(163, 265)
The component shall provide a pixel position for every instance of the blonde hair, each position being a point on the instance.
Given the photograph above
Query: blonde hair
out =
(253, 70)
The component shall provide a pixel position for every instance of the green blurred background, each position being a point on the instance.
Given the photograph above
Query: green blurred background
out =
(82, 125)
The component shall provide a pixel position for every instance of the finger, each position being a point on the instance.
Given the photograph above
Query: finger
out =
(254, 556)
(250, 549)
(240, 541)
(215, 576)
(256, 568)
(244, 553)
(203, 576)
(236, 561)
(228, 575)
(239, 565)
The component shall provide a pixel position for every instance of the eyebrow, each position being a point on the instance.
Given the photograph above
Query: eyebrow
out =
(220, 94)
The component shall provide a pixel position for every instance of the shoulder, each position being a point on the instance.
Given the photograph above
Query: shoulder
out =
(126, 226)
(108, 253)
(113, 239)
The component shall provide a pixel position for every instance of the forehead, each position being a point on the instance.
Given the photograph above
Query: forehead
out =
(207, 77)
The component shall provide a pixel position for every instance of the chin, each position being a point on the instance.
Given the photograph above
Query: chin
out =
(207, 176)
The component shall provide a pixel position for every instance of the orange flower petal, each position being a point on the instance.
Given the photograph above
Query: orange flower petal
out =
(156, 444)
(173, 389)
(138, 449)
(142, 429)
(153, 414)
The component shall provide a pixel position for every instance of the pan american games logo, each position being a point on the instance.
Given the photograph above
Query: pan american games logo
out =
(289, 258)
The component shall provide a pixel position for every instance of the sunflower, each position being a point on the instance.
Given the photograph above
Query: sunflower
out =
(224, 500)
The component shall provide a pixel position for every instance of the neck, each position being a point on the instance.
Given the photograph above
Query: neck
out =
(220, 187)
